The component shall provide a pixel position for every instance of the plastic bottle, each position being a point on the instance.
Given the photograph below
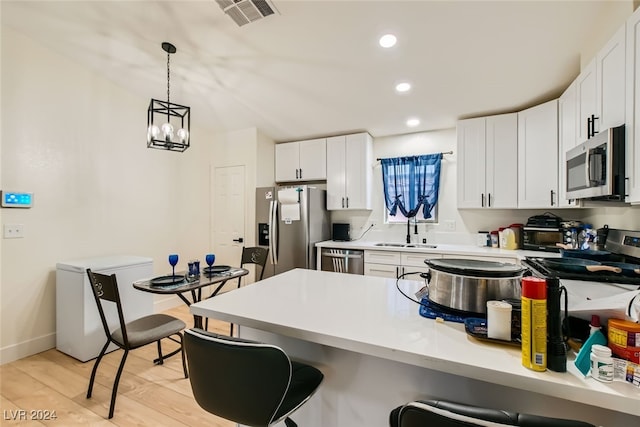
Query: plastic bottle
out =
(534, 323)
(601, 363)
(494, 239)
(583, 359)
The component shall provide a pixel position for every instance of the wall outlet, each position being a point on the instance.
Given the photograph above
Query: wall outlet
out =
(450, 225)
(13, 231)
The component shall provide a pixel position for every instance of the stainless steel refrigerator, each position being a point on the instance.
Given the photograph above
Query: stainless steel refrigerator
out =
(290, 221)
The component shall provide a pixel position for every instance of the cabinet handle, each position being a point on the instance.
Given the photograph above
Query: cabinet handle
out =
(300, 173)
(591, 126)
(347, 202)
(343, 202)
(296, 173)
(482, 201)
(489, 197)
(552, 192)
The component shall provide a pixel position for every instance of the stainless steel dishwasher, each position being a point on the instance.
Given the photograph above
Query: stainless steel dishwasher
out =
(342, 260)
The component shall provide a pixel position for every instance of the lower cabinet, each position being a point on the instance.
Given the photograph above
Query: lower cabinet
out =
(392, 264)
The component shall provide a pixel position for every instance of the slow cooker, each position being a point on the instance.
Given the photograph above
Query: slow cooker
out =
(466, 285)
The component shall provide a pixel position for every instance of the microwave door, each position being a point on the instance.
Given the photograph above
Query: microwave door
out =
(596, 167)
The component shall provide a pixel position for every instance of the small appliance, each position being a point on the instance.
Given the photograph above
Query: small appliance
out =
(341, 232)
(548, 232)
(595, 169)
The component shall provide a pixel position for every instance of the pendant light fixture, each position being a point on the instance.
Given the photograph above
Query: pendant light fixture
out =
(164, 116)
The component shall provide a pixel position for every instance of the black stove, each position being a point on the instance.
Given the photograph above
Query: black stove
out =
(623, 245)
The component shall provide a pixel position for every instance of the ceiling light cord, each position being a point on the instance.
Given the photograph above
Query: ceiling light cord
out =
(168, 80)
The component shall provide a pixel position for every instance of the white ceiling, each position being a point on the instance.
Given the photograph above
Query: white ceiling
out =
(316, 68)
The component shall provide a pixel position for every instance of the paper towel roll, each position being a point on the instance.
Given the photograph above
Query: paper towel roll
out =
(289, 206)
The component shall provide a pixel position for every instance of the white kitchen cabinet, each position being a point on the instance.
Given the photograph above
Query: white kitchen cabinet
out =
(488, 162)
(633, 108)
(349, 172)
(392, 264)
(538, 156)
(301, 160)
(567, 139)
(601, 88)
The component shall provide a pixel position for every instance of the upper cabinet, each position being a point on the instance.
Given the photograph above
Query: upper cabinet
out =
(567, 139)
(301, 160)
(538, 156)
(488, 162)
(349, 173)
(601, 89)
(633, 108)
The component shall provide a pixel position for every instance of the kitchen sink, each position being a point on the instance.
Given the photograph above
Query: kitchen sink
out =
(407, 245)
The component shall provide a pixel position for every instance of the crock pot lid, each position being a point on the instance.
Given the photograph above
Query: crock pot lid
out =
(472, 267)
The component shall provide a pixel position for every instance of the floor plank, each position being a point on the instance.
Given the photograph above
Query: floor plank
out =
(148, 394)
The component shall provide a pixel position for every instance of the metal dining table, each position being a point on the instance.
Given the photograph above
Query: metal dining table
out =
(193, 286)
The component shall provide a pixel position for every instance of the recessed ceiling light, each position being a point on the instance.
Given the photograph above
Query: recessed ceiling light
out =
(403, 87)
(413, 122)
(388, 40)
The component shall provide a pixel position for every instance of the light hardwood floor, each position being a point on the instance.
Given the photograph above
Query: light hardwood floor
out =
(148, 395)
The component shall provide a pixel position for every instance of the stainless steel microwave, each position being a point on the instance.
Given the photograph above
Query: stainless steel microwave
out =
(595, 169)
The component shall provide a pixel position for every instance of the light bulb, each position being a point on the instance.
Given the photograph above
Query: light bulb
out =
(167, 130)
(387, 41)
(153, 132)
(183, 135)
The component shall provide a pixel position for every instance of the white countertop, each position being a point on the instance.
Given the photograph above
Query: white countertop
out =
(447, 249)
(368, 315)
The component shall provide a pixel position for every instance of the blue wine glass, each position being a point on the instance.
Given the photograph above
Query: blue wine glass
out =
(210, 259)
(173, 260)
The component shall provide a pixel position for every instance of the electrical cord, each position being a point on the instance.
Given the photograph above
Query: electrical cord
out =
(423, 275)
(365, 232)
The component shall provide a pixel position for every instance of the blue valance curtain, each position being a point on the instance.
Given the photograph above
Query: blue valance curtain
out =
(411, 183)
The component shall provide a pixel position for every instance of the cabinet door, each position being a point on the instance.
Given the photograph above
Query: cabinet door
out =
(471, 163)
(633, 108)
(413, 273)
(538, 156)
(586, 86)
(287, 161)
(610, 77)
(567, 139)
(501, 175)
(313, 159)
(336, 153)
(358, 173)
(381, 270)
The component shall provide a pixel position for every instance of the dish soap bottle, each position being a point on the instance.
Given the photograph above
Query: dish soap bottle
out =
(583, 359)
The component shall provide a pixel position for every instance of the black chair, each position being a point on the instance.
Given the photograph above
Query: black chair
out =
(438, 413)
(131, 335)
(247, 382)
(253, 255)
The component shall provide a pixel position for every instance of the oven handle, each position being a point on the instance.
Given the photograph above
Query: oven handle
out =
(587, 168)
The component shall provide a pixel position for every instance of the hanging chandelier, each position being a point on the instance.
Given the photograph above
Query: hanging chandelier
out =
(163, 117)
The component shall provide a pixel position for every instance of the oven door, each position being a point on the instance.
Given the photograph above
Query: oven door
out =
(589, 168)
(542, 239)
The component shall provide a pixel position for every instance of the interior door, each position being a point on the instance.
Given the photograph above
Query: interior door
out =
(228, 214)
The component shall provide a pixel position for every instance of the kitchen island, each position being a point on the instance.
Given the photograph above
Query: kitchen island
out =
(377, 352)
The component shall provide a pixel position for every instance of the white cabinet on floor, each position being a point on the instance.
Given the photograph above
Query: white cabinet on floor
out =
(567, 139)
(538, 156)
(488, 162)
(633, 108)
(601, 89)
(301, 160)
(349, 173)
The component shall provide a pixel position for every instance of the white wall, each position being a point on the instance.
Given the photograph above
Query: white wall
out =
(469, 221)
(78, 142)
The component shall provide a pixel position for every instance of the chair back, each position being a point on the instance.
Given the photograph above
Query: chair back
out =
(438, 413)
(239, 380)
(255, 255)
(105, 288)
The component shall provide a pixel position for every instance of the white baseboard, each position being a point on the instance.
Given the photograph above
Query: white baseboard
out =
(28, 348)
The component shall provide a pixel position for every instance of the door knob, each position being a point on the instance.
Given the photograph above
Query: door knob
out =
(238, 240)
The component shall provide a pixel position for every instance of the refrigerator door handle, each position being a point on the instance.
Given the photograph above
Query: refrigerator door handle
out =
(273, 231)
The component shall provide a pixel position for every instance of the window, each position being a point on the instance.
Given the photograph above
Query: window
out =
(411, 186)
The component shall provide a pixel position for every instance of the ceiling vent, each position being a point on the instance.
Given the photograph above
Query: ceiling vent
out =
(245, 11)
